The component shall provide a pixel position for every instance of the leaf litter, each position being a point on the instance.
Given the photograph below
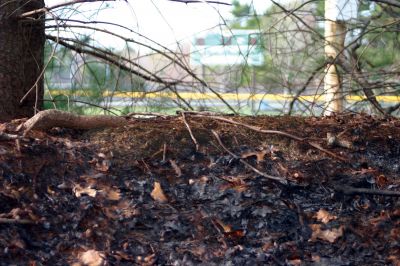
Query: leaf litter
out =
(164, 191)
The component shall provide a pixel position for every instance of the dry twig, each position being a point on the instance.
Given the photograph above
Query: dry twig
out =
(6, 136)
(276, 178)
(275, 132)
(347, 190)
(190, 131)
(15, 221)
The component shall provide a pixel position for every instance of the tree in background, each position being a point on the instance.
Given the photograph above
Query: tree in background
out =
(294, 42)
(26, 24)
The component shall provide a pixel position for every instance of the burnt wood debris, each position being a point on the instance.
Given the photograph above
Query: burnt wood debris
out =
(203, 189)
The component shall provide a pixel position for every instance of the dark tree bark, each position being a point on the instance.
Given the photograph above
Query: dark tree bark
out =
(21, 58)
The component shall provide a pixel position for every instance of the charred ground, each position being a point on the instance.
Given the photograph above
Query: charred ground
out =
(143, 194)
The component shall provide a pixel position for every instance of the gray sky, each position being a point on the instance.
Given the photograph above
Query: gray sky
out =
(161, 20)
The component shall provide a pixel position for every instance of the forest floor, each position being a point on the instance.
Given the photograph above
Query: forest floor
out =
(203, 189)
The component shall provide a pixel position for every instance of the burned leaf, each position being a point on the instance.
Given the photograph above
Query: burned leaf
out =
(364, 171)
(17, 243)
(111, 193)
(268, 246)
(236, 183)
(295, 262)
(43, 222)
(395, 260)
(324, 216)
(258, 154)
(50, 190)
(381, 180)
(176, 168)
(225, 227)
(92, 258)
(79, 191)
(235, 234)
(104, 165)
(3, 150)
(228, 231)
(327, 235)
(158, 194)
(202, 180)
(263, 211)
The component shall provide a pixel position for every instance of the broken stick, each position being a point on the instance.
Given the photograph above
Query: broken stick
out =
(55, 118)
(276, 178)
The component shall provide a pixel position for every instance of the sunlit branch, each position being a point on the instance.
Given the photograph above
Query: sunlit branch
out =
(122, 27)
(130, 40)
(47, 9)
(394, 3)
(105, 56)
(200, 2)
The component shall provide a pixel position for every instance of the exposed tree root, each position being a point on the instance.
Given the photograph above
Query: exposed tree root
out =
(55, 118)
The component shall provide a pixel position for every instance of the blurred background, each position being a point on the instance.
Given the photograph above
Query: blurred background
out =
(244, 57)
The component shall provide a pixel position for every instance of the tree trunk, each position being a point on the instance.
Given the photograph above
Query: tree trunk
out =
(335, 33)
(21, 59)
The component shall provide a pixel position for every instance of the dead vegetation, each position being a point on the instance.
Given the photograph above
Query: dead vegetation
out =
(197, 188)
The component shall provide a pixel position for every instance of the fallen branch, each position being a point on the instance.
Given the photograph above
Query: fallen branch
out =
(347, 190)
(275, 132)
(54, 118)
(276, 178)
(6, 136)
(190, 131)
(15, 221)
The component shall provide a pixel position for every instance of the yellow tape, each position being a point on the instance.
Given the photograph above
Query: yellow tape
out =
(212, 96)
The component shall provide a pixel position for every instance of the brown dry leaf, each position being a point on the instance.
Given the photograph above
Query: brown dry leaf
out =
(364, 171)
(158, 194)
(127, 209)
(381, 180)
(16, 213)
(234, 182)
(259, 155)
(150, 260)
(177, 170)
(79, 191)
(315, 258)
(50, 190)
(112, 194)
(3, 150)
(239, 187)
(92, 258)
(324, 216)
(33, 217)
(268, 246)
(122, 255)
(395, 234)
(395, 260)
(295, 262)
(18, 243)
(104, 166)
(326, 235)
(226, 228)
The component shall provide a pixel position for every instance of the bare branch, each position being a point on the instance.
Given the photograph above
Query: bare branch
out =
(184, 67)
(388, 2)
(276, 178)
(47, 9)
(200, 2)
(108, 57)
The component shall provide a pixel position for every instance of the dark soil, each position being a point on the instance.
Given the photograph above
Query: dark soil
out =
(143, 195)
